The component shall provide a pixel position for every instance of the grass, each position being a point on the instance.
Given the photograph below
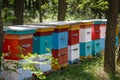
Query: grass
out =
(85, 70)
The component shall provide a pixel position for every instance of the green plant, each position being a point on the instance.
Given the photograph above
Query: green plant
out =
(27, 63)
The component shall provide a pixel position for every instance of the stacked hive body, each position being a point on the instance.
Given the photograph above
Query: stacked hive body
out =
(102, 33)
(59, 43)
(42, 45)
(85, 39)
(73, 42)
(18, 40)
(96, 37)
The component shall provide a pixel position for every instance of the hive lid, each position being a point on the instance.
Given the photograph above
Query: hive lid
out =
(37, 25)
(20, 30)
(97, 21)
(55, 23)
(72, 22)
(86, 22)
(42, 28)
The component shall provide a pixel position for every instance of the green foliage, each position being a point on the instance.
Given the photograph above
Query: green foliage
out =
(7, 15)
(76, 10)
(99, 5)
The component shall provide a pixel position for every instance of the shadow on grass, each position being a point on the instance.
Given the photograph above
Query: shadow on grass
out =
(115, 77)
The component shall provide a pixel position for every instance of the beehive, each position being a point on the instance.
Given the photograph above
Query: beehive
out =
(42, 38)
(96, 47)
(18, 40)
(85, 31)
(96, 31)
(61, 55)
(85, 38)
(73, 32)
(85, 49)
(73, 41)
(60, 41)
(73, 53)
(59, 35)
(73, 37)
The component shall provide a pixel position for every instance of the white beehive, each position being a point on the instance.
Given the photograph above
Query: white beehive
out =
(85, 35)
(73, 52)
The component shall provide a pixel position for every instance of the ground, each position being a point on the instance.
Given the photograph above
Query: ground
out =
(91, 69)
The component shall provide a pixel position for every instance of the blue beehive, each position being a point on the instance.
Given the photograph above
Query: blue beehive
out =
(85, 49)
(116, 43)
(42, 44)
(20, 30)
(96, 47)
(60, 40)
(102, 43)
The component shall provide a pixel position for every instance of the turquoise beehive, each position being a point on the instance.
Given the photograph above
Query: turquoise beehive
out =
(96, 47)
(42, 44)
(42, 39)
(85, 49)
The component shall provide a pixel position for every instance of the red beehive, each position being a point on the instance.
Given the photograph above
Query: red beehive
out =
(95, 31)
(17, 44)
(61, 55)
(73, 37)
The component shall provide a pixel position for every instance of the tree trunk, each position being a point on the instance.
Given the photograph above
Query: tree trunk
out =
(119, 6)
(29, 4)
(19, 9)
(1, 34)
(39, 4)
(109, 57)
(62, 9)
(4, 3)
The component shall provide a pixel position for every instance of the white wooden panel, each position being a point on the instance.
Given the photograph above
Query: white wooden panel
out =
(85, 35)
(73, 52)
